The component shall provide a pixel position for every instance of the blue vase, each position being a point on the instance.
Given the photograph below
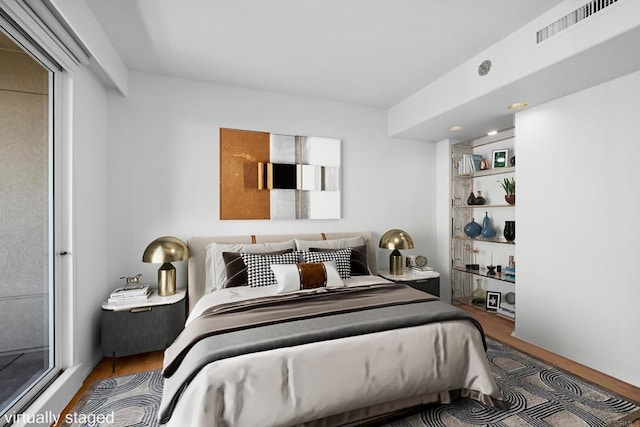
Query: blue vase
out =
(487, 229)
(472, 229)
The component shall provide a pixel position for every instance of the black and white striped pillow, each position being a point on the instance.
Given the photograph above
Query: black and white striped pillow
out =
(259, 271)
(342, 257)
(236, 269)
(359, 263)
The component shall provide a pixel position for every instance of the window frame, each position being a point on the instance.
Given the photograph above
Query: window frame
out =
(28, 33)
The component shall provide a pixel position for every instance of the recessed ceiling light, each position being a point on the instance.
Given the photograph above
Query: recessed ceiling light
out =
(492, 132)
(456, 128)
(518, 106)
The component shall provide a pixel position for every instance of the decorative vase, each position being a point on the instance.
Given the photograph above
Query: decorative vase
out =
(471, 199)
(487, 230)
(510, 198)
(473, 229)
(510, 230)
(479, 200)
(479, 295)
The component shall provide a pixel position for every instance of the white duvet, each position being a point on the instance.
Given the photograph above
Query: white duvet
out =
(338, 381)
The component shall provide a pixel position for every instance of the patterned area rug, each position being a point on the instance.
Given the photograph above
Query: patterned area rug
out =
(540, 395)
(132, 400)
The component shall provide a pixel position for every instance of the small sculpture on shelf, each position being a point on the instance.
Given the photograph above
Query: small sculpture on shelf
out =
(473, 251)
(131, 280)
(491, 268)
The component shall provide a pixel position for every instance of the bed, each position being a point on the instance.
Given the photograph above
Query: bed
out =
(350, 351)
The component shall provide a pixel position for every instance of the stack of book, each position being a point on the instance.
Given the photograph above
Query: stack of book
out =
(421, 270)
(507, 311)
(509, 273)
(130, 293)
(469, 163)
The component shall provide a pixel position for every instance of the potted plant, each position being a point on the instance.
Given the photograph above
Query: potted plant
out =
(509, 187)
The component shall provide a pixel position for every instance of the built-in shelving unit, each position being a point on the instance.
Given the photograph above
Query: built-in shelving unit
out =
(491, 240)
(499, 171)
(497, 276)
(466, 251)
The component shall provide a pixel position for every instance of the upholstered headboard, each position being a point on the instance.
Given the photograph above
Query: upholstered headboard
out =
(196, 274)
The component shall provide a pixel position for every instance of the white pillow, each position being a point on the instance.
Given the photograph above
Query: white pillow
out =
(288, 277)
(343, 243)
(215, 272)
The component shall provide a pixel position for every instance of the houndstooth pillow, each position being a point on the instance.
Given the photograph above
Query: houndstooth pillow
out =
(259, 271)
(342, 257)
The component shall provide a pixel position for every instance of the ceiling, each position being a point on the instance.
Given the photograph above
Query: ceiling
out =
(367, 52)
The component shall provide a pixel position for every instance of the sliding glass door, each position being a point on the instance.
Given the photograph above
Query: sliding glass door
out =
(26, 227)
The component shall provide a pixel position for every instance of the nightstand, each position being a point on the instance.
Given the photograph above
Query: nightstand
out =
(426, 282)
(142, 326)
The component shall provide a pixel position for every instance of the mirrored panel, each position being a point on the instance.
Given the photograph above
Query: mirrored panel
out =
(274, 176)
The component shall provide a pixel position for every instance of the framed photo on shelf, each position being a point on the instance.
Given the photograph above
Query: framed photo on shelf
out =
(493, 300)
(499, 158)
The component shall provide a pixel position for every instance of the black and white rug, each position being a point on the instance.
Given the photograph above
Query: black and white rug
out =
(540, 395)
(132, 400)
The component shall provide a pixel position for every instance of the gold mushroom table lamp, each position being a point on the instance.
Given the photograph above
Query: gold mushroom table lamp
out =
(166, 250)
(396, 239)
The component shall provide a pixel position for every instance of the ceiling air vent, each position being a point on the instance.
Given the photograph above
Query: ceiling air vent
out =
(574, 17)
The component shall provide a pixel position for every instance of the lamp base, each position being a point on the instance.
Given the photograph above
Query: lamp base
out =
(166, 279)
(395, 262)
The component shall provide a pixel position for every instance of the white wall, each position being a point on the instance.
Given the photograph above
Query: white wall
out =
(163, 159)
(578, 231)
(90, 211)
